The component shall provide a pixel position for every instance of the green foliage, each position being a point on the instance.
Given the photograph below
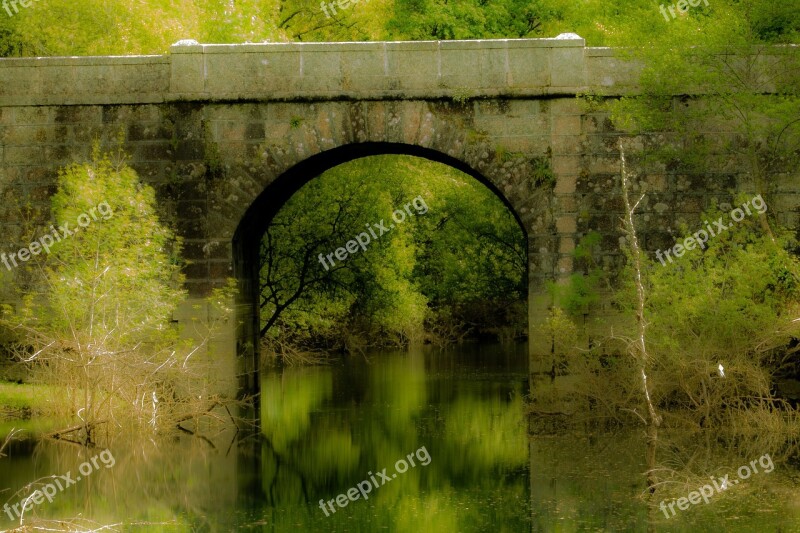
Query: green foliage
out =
(36, 398)
(581, 289)
(305, 20)
(640, 23)
(751, 94)
(464, 250)
(98, 318)
(733, 304)
(373, 285)
(579, 293)
(543, 174)
(124, 255)
(482, 256)
(468, 19)
(91, 27)
(731, 298)
(94, 27)
(563, 335)
(591, 100)
(461, 96)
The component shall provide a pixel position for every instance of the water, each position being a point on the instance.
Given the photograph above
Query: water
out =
(326, 429)
(457, 417)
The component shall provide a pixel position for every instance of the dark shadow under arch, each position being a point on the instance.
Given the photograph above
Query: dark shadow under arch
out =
(246, 241)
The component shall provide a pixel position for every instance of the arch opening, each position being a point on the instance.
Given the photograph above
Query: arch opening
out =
(263, 211)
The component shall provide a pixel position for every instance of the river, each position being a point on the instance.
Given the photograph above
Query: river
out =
(412, 441)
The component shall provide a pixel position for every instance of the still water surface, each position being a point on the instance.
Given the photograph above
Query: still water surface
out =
(459, 415)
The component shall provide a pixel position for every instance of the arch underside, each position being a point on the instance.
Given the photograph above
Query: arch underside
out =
(254, 223)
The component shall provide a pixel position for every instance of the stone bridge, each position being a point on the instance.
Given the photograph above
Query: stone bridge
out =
(227, 133)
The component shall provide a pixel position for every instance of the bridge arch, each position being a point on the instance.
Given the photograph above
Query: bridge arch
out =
(263, 209)
(226, 133)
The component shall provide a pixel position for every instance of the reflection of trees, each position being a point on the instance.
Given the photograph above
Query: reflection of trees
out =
(297, 475)
(594, 482)
(287, 401)
(299, 457)
(479, 434)
(485, 433)
(182, 482)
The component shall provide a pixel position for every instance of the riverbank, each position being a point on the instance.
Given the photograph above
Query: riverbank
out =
(23, 401)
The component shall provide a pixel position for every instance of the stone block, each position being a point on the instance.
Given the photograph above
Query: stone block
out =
(529, 68)
(566, 224)
(412, 65)
(20, 82)
(567, 125)
(34, 115)
(220, 270)
(566, 164)
(187, 71)
(565, 184)
(565, 265)
(566, 245)
(567, 145)
(364, 70)
(23, 155)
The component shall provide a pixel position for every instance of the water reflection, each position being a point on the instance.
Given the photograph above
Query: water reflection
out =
(168, 486)
(326, 428)
(595, 481)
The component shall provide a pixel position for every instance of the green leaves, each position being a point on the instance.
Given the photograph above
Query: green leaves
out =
(465, 249)
(96, 317)
(92, 27)
(727, 300)
(119, 269)
(468, 19)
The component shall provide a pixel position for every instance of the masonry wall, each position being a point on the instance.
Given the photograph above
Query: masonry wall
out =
(218, 129)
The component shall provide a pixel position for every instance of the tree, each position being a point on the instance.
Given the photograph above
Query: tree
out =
(468, 19)
(312, 20)
(459, 256)
(98, 322)
(311, 292)
(638, 347)
(94, 27)
(734, 300)
(473, 262)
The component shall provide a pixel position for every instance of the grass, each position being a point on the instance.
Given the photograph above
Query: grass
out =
(34, 400)
(34, 426)
(31, 408)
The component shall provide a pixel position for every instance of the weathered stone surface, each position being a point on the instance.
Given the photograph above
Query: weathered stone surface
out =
(226, 133)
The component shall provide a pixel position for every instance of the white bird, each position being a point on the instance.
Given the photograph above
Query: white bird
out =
(721, 370)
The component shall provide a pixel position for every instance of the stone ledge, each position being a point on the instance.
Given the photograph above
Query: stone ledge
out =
(192, 71)
(11, 62)
(476, 44)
